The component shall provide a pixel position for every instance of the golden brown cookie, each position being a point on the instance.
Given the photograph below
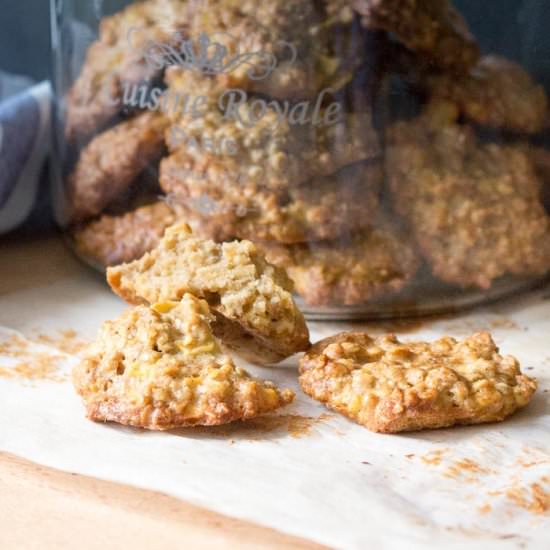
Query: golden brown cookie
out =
(236, 138)
(287, 49)
(112, 161)
(120, 58)
(389, 386)
(319, 209)
(474, 209)
(432, 28)
(351, 270)
(160, 367)
(497, 93)
(112, 240)
(233, 277)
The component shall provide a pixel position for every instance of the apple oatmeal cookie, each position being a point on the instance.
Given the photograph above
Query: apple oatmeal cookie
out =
(231, 142)
(389, 386)
(112, 161)
(321, 208)
(112, 240)
(432, 28)
(160, 367)
(251, 297)
(351, 270)
(474, 208)
(293, 49)
(496, 92)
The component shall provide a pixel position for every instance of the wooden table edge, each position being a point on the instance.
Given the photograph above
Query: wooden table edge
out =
(43, 508)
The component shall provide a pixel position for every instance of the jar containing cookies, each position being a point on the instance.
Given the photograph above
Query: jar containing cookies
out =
(391, 156)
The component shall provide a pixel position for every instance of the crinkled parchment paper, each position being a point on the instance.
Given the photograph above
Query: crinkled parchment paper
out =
(307, 472)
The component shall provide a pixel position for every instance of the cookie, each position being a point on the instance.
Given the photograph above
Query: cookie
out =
(289, 50)
(322, 208)
(497, 93)
(432, 28)
(112, 161)
(352, 270)
(233, 277)
(255, 143)
(112, 240)
(120, 58)
(160, 367)
(474, 208)
(389, 386)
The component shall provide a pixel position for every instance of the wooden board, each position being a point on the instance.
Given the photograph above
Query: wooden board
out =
(42, 508)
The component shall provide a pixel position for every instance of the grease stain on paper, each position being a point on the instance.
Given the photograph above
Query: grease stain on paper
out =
(261, 428)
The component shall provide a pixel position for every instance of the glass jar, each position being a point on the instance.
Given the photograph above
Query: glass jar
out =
(392, 158)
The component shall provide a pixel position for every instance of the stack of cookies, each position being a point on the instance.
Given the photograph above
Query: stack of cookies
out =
(257, 121)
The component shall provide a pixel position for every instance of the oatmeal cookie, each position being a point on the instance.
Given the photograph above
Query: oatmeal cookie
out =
(112, 240)
(112, 161)
(283, 49)
(319, 209)
(223, 145)
(233, 277)
(497, 93)
(119, 58)
(389, 386)
(160, 367)
(474, 209)
(353, 270)
(432, 28)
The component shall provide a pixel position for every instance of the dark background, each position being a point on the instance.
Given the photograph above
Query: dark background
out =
(517, 28)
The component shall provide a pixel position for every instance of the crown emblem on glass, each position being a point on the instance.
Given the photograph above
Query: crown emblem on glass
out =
(211, 55)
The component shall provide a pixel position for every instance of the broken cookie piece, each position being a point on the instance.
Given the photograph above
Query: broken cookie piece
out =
(252, 298)
(160, 368)
(390, 386)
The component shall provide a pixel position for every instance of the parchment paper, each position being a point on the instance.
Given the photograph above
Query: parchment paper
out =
(310, 473)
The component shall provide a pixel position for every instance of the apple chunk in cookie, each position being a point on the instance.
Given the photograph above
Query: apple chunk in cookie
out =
(252, 299)
(160, 367)
(390, 386)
